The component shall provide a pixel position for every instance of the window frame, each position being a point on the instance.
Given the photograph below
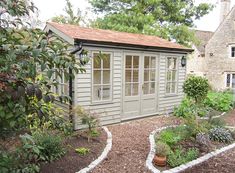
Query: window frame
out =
(231, 80)
(60, 88)
(176, 76)
(231, 46)
(93, 101)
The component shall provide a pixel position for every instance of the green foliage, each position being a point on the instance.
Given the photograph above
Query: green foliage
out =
(221, 135)
(164, 18)
(24, 52)
(51, 145)
(162, 149)
(82, 151)
(196, 88)
(172, 136)
(220, 101)
(71, 17)
(217, 122)
(179, 156)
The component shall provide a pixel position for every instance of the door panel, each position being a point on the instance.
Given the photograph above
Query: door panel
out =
(140, 83)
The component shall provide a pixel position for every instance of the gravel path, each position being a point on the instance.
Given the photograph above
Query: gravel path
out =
(131, 145)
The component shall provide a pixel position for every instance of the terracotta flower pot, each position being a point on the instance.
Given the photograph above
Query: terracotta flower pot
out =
(159, 161)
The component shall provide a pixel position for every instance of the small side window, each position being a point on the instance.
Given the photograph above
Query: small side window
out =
(233, 51)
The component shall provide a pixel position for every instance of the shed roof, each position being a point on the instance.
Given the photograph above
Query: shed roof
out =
(112, 37)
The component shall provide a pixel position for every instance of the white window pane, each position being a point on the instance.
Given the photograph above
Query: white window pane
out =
(128, 75)
(153, 62)
(97, 92)
(168, 76)
(233, 81)
(128, 61)
(136, 62)
(146, 62)
(152, 76)
(228, 80)
(174, 75)
(97, 77)
(106, 77)
(135, 89)
(146, 88)
(168, 88)
(146, 75)
(152, 87)
(175, 63)
(97, 61)
(173, 85)
(106, 93)
(66, 89)
(128, 90)
(135, 76)
(106, 61)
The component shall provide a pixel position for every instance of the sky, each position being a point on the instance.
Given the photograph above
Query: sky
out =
(51, 8)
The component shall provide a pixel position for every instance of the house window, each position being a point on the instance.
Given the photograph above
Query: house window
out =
(230, 80)
(63, 86)
(171, 74)
(233, 51)
(101, 77)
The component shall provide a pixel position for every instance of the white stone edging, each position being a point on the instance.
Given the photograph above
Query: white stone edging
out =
(102, 156)
(182, 167)
(218, 116)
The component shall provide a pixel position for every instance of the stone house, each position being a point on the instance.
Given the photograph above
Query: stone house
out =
(214, 58)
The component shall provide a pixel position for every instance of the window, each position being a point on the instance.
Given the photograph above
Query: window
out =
(171, 75)
(63, 86)
(233, 51)
(149, 74)
(131, 75)
(230, 80)
(101, 77)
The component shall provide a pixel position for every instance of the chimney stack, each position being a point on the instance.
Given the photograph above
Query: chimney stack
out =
(224, 9)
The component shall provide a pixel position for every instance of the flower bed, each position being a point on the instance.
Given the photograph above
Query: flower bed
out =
(180, 146)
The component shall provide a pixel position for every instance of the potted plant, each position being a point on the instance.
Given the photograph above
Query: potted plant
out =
(162, 150)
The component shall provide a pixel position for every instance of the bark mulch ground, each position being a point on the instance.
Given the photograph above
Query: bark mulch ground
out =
(230, 118)
(131, 145)
(73, 162)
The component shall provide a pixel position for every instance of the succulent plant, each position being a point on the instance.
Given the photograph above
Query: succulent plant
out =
(220, 134)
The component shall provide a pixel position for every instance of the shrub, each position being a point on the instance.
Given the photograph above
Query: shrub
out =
(221, 135)
(196, 88)
(172, 136)
(82, 151)
(220, 101)
(162, 149)
(51, 145)
(179, 156)
(184, 109)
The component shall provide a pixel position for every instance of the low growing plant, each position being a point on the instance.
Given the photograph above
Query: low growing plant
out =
(220, 101)
(179, 156)
(51, 145)
(82, 151)
(162, 149)
(221, 135)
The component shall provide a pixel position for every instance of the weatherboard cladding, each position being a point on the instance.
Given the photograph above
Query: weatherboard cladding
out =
(111, 112)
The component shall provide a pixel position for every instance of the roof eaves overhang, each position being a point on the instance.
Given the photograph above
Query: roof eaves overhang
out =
(131, 46)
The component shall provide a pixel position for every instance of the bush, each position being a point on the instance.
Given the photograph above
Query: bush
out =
(217, 122)
(196, 88)
(186, 108)
(162, 149)
(172, 136)
(221, 135)
(179, 156)
(220, 101)
(51, 145)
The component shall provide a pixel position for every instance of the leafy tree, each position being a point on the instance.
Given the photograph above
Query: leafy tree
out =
(165, 18)
(26, 97)
(71, 17)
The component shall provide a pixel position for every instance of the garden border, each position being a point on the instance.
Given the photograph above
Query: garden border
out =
(104, 154)
(182, 167)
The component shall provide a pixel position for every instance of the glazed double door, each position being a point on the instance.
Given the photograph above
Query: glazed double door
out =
(140, 85)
